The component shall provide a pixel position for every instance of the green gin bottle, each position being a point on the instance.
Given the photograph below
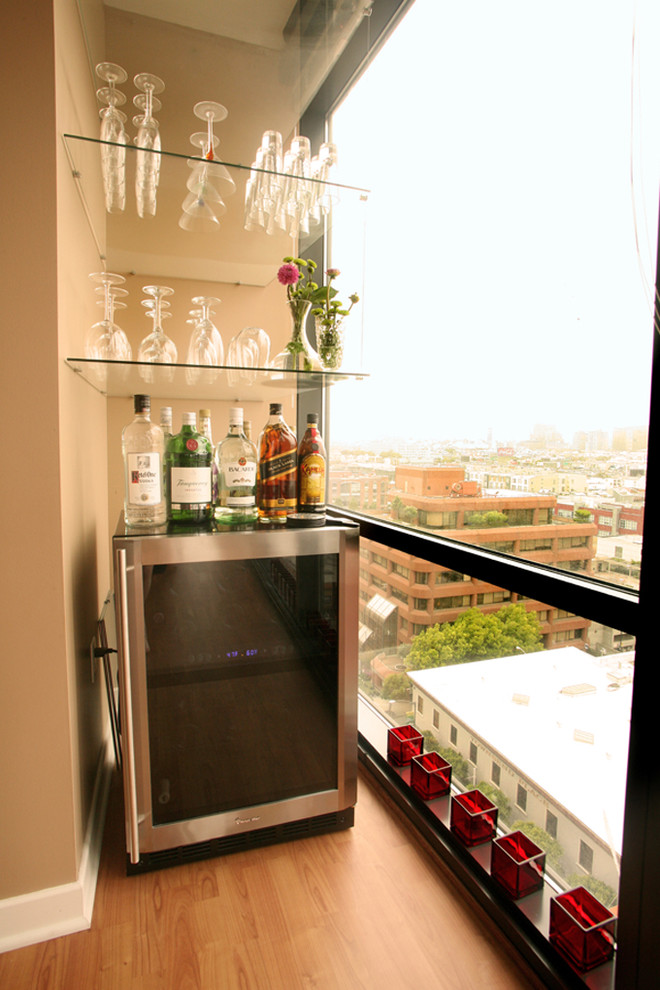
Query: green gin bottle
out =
(189, 458)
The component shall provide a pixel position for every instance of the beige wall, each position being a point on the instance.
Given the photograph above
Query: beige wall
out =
(63, 477)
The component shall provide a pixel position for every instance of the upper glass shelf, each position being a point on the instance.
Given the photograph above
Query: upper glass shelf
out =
(188, 381)
(234, 251)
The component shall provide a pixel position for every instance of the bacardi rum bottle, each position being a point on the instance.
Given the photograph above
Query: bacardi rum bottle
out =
(276, 484)
(189, 458)
(236, 471)
(311, 468)
(143, 446)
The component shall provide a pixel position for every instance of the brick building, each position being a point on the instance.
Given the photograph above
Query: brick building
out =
(402, 595)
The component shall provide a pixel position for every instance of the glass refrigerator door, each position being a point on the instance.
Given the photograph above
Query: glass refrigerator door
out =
(242, 682)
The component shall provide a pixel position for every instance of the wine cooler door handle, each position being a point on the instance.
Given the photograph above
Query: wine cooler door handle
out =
(129, 738)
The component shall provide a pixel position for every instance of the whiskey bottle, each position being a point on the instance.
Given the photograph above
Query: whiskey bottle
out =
(311, 468)
(143, 446)
(277, 475)
(189, 457)
(236, 471)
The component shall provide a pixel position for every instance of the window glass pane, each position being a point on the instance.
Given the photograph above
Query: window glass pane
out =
(510, 264)
(528, 702)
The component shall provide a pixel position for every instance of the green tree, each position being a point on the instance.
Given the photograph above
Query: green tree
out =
(476, 635)
(499, 799)
(543, 840)
(601, 891)
(582, 515)
(408, 515)
(397, 687)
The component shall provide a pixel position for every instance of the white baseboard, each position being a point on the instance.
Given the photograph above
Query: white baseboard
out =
(63, 910)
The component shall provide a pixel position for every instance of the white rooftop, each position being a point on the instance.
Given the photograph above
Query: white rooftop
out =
(562, 717)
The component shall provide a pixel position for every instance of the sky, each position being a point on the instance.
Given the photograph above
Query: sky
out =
(512, 150)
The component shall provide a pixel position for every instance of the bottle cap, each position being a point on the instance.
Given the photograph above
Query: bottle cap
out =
(275, 408)
(141, 403)
(236, 416)
(312, 418)
(189, 419)
(204, 413)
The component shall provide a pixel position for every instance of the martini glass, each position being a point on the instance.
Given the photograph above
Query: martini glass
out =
(113, 154)
(105, 341)
(147, 171)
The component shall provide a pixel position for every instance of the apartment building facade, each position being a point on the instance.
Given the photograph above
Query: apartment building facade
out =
(402, 595)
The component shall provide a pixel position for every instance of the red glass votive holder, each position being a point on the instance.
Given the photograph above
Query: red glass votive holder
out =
(430, 775)
(582, 928)
(403, 742)
(517, 864)
(473, 817)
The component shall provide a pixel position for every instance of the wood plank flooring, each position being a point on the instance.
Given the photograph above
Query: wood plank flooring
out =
(366, 908)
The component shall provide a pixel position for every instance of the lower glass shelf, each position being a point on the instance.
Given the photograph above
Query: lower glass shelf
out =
(185, 381)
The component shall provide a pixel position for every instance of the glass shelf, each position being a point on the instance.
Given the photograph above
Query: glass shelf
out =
(188, 381)
(229, 254)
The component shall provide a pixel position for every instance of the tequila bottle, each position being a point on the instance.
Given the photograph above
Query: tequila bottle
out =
(143, 446)
(189, 458)
(236, 471)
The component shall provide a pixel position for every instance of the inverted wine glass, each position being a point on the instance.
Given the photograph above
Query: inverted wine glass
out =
(113, 154)
(105, 341)
(157, 347)
(147, 172)
(205, 304)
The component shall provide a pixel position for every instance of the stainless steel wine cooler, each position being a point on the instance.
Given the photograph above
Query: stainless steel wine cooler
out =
(238, 687)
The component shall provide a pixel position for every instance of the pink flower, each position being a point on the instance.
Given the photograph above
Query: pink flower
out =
(288, 274)
(333, 272)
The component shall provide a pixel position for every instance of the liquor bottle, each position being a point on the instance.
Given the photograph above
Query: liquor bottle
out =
(311, 468)
(205, 429)
(205, 424)
(277, 476)
(236, 469)
(166, 422)
(189, 457)
(143, 446)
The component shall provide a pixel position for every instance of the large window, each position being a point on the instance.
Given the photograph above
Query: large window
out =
(513, 155)
(513, 152)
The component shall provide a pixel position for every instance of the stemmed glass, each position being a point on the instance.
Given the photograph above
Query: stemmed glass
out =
(204, 203)
(147, 171)
(113, 155)
(105, 341)
(205, 328)
(157, 347)
(320, 199)
(296, 194)
(263, 190)
(249, 349)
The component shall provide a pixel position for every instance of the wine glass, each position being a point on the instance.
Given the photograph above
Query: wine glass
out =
(320, 199)
(147, 172)
(296, 196)
(105, 341)
(157, 347)
(204, 319)
(113, 154)
(263, 191)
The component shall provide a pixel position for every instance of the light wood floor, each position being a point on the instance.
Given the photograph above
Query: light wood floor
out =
(365, 908)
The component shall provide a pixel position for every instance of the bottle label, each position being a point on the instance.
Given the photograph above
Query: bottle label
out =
(144, 479)
(279, 466)
(190, 486)
(241, 473)
(312, 480)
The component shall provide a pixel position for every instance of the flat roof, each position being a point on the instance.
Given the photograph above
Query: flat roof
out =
(561, 717)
